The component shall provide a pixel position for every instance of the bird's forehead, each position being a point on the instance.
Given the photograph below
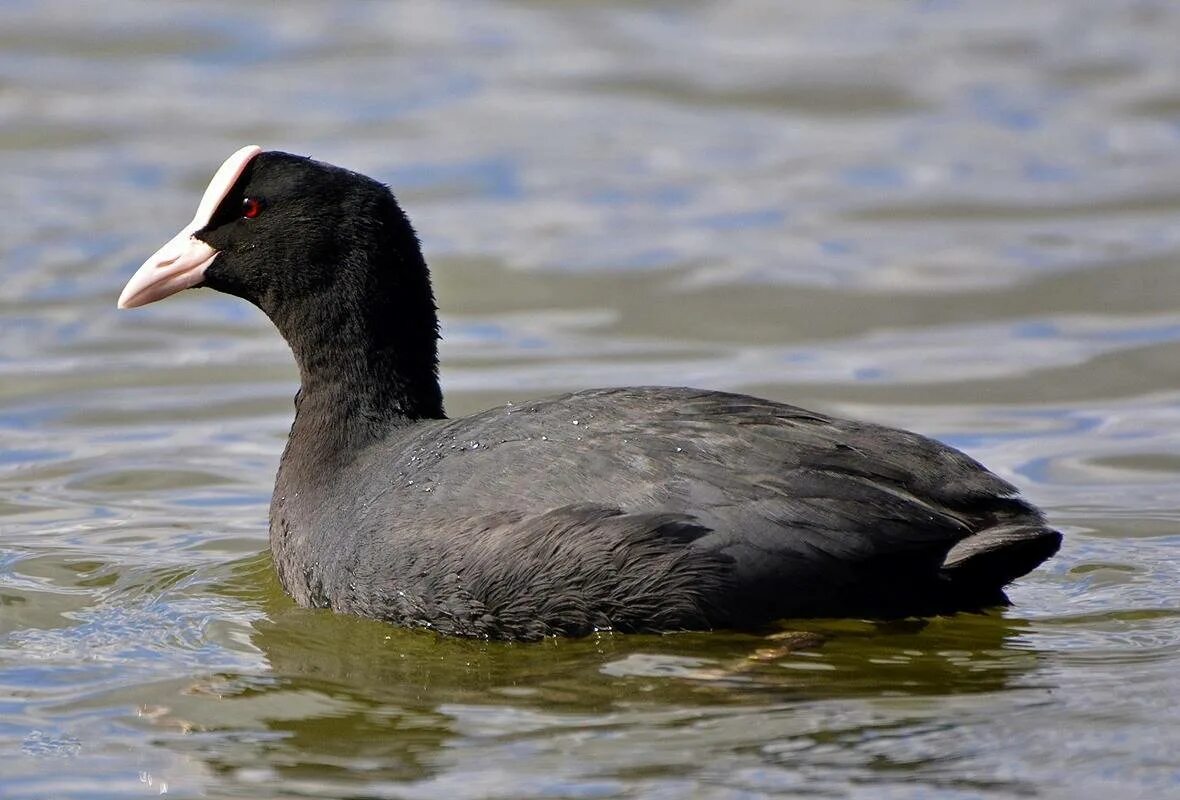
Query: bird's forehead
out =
(222, 183)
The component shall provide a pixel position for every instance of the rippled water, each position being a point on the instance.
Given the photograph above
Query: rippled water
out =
(955, 217)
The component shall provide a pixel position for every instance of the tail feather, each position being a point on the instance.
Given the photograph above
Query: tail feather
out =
(996, 556)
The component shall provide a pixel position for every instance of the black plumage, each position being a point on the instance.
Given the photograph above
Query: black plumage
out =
(634, 509)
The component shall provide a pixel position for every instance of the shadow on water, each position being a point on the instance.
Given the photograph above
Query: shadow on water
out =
(343, 696)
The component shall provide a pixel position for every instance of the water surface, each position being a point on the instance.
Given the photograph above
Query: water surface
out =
(959, 218)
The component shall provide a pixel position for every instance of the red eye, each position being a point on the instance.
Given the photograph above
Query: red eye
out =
(251, 207)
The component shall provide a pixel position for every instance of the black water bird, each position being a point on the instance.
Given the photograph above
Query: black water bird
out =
(633, 509)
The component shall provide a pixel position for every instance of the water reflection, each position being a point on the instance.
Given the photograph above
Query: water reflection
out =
(346, 702)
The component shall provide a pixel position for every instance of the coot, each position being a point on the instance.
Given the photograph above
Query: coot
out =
(632, 509)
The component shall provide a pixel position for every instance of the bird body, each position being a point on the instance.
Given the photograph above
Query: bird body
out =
(631, 509)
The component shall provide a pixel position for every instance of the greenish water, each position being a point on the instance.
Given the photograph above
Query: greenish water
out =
(959, 218)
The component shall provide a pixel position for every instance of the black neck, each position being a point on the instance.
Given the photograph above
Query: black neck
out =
(372, 370)
(366, 346)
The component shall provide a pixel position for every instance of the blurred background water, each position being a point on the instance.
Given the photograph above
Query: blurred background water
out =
(955, 217)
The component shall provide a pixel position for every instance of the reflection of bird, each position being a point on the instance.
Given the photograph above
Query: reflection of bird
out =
(637, 509)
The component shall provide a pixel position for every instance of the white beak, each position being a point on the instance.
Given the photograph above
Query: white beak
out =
(181, 263)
